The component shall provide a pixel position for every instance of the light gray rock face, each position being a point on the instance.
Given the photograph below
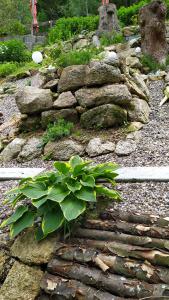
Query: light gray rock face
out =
(97, 147)
(108, 19)
(104, 116)
(124, 148)
(63, 150)
(52, 84)
(97, 73)
(38, 80)
(31, 99)
(52, 116)
(138, 79)
(30, 150)
(72, 78)
(116, 94)
(12, 150)
(65, 100)
(140, 111)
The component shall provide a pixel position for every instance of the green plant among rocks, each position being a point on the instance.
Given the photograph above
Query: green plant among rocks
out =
(56, 199)
(56, 131)
(116, 38)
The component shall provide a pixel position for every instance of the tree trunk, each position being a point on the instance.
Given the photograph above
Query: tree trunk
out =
(112, 283)
(134, 229)
(156, 257)
(61, 288)
(136, 218)
(121, 237)
(119, 265)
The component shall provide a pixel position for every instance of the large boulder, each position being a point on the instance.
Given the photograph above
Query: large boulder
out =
(116, 94)
(12, 150)
(63, 150)
(30, 150)
(97, 147)
(72, 78)
(51, 116)
(31, 100)
(108, 19)
(22, 283)
(139, 111)
(65, 100)
(105, 116)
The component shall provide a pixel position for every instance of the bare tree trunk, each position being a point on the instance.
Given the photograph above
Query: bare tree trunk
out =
(136, 218)
(73, 289)
(119, 265)
(156, 257)
(121, 237)
(134, 229)
(113, 283)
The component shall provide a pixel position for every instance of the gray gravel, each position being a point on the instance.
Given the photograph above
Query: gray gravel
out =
(152, 150)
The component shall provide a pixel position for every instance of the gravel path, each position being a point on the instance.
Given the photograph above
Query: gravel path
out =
(152, 150)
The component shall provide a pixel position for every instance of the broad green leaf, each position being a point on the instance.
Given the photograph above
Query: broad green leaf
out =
(88, 180)
(39, 234)
(17, 215)
(53, 220)
(75, 161)
(35, 190)
(58, 193)
(27, 220)
(73, 185)
(62, 167)
(72, 207)
(108, 192)
(86, 194)
(103, 170)
(40, 202)
(80, 169)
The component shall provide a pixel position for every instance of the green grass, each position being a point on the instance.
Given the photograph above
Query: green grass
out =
(150, 63)
(114, 39)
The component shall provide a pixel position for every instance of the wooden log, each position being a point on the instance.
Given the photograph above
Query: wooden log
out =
(156, 257)
(130, 228)
(115, 284)
(136, 218)
(121, 237)
(72, 289)
(115, 264)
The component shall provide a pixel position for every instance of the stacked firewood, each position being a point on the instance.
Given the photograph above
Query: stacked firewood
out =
(118, 256)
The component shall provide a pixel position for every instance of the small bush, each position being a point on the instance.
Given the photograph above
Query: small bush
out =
(114, 39)
(13, 28)
(13, 50)
(150, 63)
(56, 131)
(125, 14)
(65, 28)
(7, 69)
(75, 57)
(58, 198)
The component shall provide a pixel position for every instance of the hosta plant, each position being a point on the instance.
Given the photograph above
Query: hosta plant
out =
(55, 199)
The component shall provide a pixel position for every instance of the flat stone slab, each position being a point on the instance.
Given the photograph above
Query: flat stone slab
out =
(126, 174)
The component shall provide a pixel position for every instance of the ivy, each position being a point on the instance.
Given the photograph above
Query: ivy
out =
(56, 198)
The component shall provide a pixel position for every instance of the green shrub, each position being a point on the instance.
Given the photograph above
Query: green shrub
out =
(65, 28)
(125, 14)
(13, 28)
(13, 50)
(114, 39)
(60, 197)
(56, 131)
(150, 63)
(7, 69)
(75, 57)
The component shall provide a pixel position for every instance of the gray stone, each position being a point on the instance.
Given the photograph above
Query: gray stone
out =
(139, 112)
(29, 251)
(37, 80)
(72, 78)
(63, 150)
(30, 123)
(52, 116)
(98, 73)
(108, 19)
(134, 126)
(12, 150)
(104, 116)
(31, 99)
(82, 43)
(133, 62)
(135, 89)
(116, 94)
(126, 147)
(138, 79)
(97, 147)
(52, 84)
(30, 150)
(65, 100)
(22, 283)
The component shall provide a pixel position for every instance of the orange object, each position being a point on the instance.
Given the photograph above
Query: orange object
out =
(33, 8)
(105, 2)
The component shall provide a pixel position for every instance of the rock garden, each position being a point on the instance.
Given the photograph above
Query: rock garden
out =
(97, 102)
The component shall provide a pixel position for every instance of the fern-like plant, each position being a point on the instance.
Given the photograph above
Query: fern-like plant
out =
(59, 197)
